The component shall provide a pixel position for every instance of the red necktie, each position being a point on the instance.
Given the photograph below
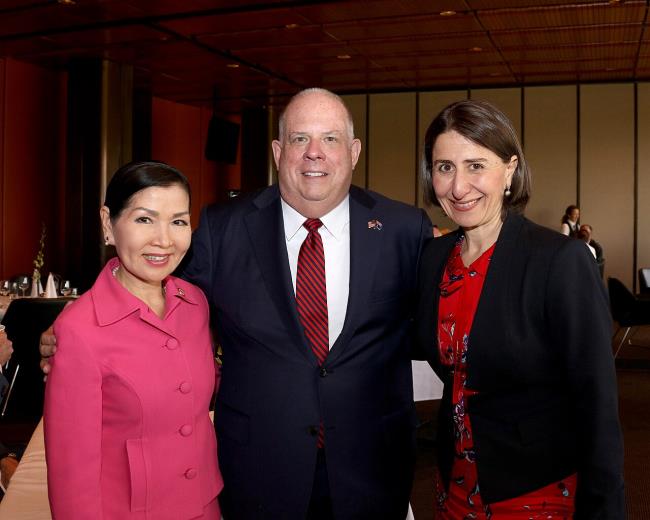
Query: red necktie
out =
(311, 296)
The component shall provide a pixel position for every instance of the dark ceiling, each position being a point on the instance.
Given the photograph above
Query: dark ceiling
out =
(256, 53)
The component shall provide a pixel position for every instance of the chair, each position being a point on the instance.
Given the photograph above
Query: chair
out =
(25, 320)
(627, 310)
(644, 280)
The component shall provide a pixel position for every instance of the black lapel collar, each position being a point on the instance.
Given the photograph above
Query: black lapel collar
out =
(266, 232)
(440, 249)
(365, 247)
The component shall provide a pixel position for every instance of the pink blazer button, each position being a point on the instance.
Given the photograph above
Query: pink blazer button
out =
(186, 430)
(190, 474)
(185, 387)
(172, 343)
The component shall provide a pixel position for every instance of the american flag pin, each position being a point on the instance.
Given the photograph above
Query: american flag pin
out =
(375, 224)
(181, 292)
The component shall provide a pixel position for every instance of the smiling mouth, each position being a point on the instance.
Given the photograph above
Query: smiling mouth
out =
(314, 174)
(156, 258)
(465, 206)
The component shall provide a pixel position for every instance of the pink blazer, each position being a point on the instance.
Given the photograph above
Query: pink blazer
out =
(127, 430)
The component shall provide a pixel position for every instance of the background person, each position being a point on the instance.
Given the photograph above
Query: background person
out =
(571, 221)
(600, 258)
(126, 422)
(9, 456)
(528, 423)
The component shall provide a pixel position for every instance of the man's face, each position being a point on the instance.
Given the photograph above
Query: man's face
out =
(315, 155)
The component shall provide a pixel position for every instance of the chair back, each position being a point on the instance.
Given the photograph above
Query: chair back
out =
(25, 320)
(644, 280)
(621, 301)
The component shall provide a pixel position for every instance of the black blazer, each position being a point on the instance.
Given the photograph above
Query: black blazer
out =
(540, 358)
(273, 394)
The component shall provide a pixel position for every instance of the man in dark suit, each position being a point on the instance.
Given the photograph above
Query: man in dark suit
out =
(312, 284)
(277, 398)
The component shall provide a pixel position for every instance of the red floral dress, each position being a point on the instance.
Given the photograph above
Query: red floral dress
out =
(460, 290)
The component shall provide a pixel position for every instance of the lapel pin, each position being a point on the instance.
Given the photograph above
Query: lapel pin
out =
(375, 224)
(181, 292)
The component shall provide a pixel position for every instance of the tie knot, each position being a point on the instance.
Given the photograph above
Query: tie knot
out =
(312, 224)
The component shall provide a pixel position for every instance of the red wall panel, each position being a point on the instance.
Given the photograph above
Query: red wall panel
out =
(33, 152)
(179, 133)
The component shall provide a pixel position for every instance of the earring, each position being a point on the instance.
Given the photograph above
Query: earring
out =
(507, 192)
(105, 241)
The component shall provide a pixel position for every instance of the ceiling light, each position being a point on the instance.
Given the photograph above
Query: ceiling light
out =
(447, 13)
(615, 2)
(232, 65)
(344, 56)
(475, 49)
(292, 26)
(66, 2)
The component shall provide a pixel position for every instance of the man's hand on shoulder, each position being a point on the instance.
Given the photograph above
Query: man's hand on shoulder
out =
(47, 348)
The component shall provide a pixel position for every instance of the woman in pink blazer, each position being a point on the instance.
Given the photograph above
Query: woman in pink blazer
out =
(127, 430)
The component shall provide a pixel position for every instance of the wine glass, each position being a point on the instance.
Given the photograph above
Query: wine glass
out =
(65, 288)
(5, 287)
(23, 284)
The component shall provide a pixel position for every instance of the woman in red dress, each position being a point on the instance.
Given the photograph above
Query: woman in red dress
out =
(528, 425)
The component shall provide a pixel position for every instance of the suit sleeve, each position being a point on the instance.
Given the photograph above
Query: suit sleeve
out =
(426, 234)
(197, 266)
(73, 429)
(578, 313)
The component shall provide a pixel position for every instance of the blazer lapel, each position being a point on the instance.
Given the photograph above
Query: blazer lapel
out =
(365, 248)
(431, 282)
(266, 232)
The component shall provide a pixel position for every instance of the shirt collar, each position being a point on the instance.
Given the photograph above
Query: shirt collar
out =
(113, 302)
(335, 221)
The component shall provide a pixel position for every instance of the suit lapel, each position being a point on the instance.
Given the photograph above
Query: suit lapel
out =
(431, 281)
(494, 298)
(365, 248)
(266, 232)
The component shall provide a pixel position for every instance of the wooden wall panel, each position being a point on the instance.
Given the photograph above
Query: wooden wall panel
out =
(429, 106)
(176, 140)
(643, 194)
(179, 134)
(508, 100)
(551, 135)
(392, 146)
(357, 105)
(4, 246)
(607, 172)
(32, 148)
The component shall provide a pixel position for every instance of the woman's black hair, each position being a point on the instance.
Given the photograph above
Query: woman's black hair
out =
(139, 175)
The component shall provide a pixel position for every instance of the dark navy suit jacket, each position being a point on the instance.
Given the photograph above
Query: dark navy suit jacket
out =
(273, 394)
(540, 358)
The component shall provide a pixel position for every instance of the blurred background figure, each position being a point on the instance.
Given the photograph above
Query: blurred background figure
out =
(598, 249)
(8, 455)
(571, 221)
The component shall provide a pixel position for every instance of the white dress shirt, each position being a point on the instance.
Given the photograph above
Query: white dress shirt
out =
(335, 233)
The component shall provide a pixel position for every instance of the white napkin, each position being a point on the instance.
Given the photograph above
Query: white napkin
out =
(50, 287)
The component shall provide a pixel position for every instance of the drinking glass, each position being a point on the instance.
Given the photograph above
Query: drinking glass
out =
(23, 284)
(65, 288)
(5, 287)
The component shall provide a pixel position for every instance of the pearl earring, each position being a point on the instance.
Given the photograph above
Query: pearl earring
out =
(507, 193)
(105, 241)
